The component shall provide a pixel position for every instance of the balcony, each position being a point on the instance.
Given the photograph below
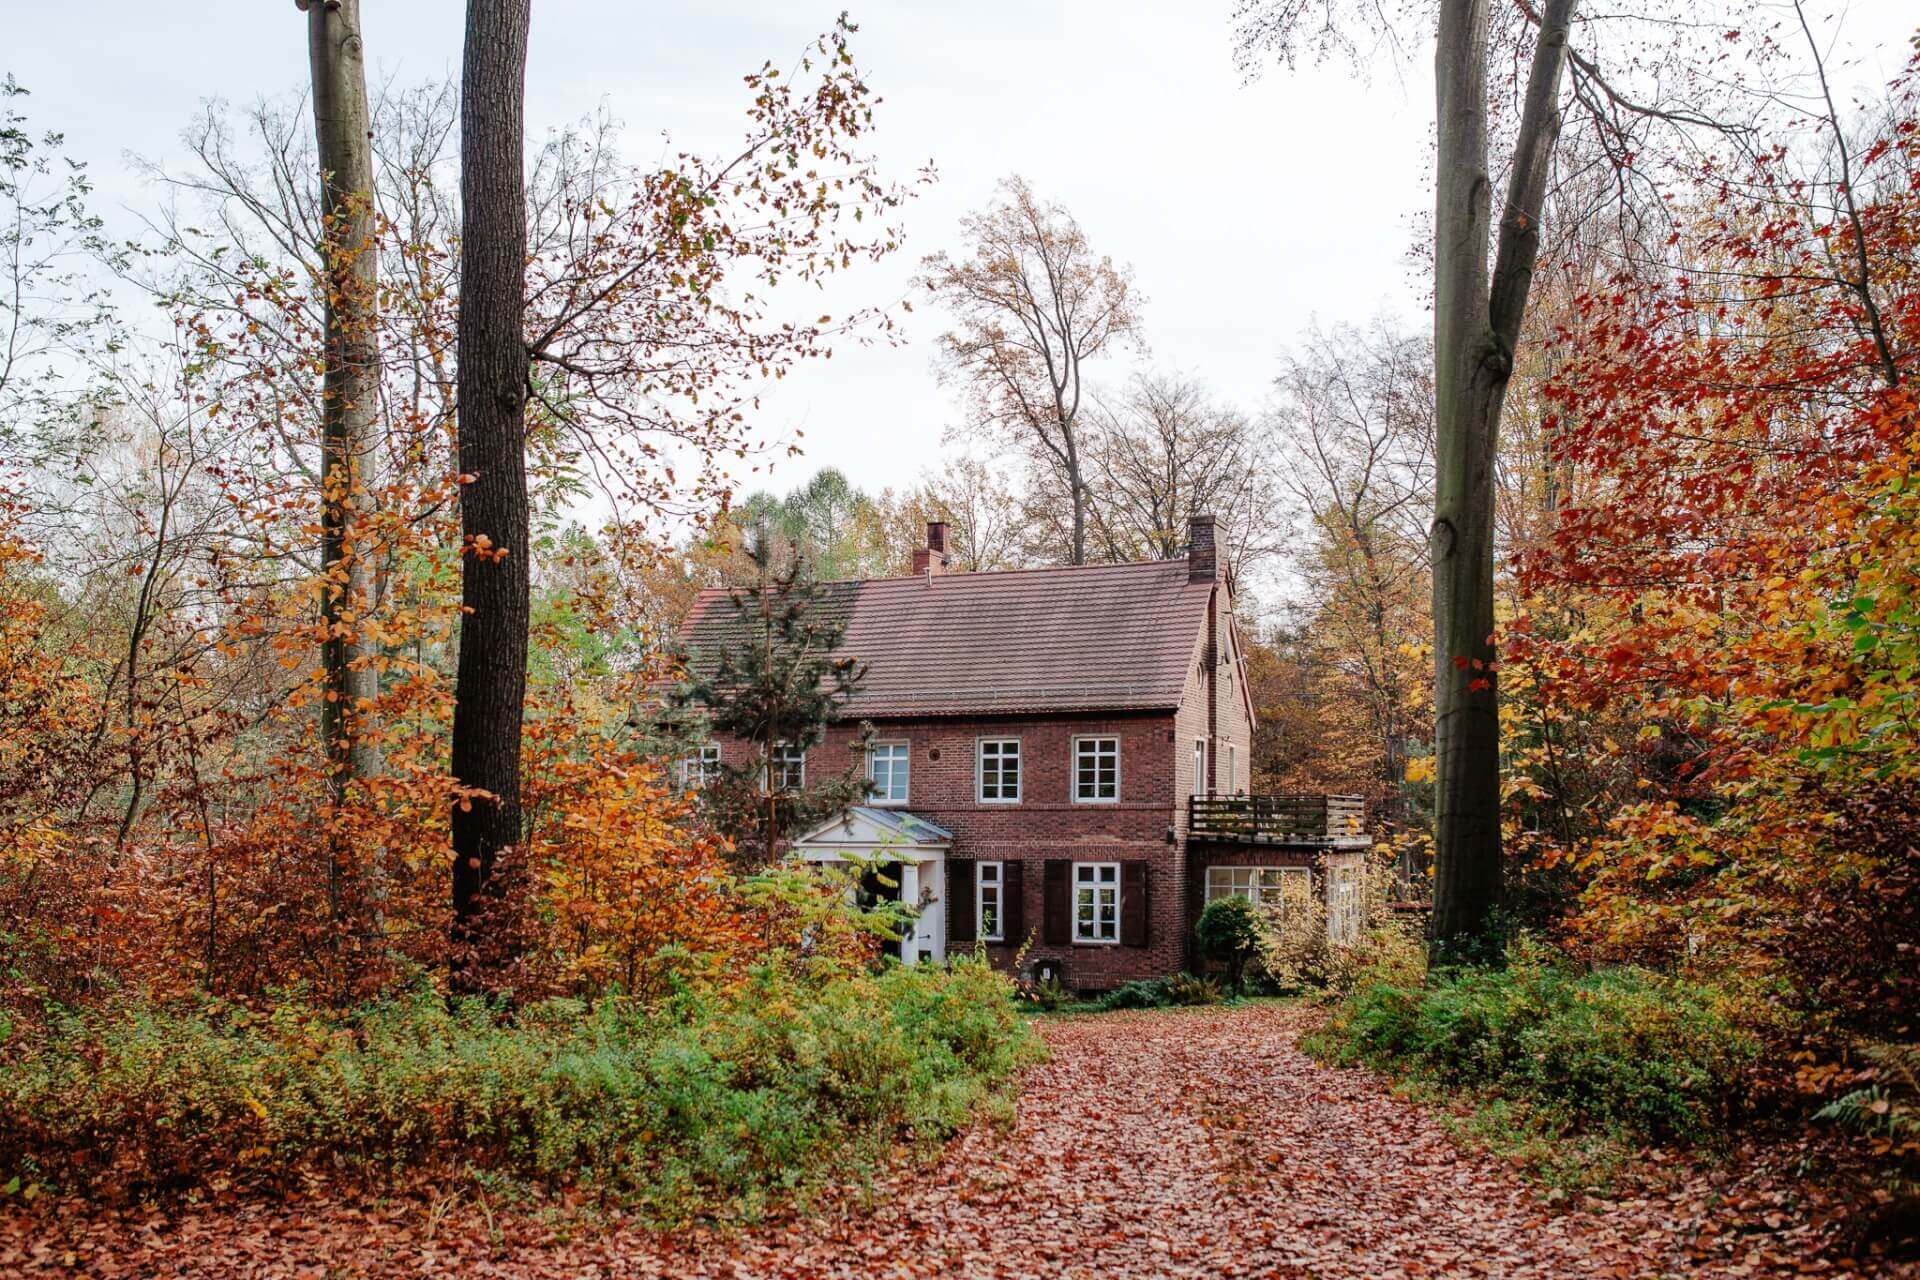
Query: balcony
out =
(1315, 820)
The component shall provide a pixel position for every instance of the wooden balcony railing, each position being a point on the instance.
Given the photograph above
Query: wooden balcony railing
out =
(1296, 819)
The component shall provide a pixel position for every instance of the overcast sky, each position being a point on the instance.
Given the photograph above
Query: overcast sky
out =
(1246, 211)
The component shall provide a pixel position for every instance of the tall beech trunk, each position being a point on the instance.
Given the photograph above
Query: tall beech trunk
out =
(490, 692)
(350, 398)
(1475, 327)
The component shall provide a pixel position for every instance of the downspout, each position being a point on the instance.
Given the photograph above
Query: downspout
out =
(1213, 686)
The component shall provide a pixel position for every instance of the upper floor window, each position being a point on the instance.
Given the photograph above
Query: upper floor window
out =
(1096, 770)
(999, 770)
(987, 889)
(1096, 902)
(786, 768)
(1199, 766)
(700, 768)
(887, 768)
(1230, 767)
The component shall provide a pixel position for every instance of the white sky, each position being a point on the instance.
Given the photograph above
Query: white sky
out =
(1246, 212)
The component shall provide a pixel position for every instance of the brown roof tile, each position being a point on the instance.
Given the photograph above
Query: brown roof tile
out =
(1091, 638)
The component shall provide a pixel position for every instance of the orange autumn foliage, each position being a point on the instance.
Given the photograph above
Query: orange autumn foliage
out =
(1729, 593)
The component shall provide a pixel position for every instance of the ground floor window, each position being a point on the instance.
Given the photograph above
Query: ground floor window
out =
(1096, 902)
(1346, 915)
(988, 880)
(1264, 886)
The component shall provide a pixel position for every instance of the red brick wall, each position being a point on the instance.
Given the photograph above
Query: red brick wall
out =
(1047, 822)
(1156, 777)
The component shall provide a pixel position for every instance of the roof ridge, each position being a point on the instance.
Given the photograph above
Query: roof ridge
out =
(975, 574)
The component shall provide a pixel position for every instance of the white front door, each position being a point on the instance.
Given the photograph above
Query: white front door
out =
(923, 884)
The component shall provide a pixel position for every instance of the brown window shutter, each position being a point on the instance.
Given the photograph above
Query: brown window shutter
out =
(1057, 900)
(961, 903)
(1013, 904)
(1133, 904)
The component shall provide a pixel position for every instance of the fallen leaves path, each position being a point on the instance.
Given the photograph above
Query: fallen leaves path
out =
(1180, 1143)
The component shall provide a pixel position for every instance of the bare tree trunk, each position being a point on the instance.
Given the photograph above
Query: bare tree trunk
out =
(490, 691)
(1475, 328)
(1077, 484)
(350, 398)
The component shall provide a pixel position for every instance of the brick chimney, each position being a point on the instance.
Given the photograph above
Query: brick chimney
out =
(932, 558)
(1202, 564)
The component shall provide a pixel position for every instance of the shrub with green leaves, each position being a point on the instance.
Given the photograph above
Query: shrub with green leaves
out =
(1231, 931)
(1885, 1113)
(702, 1102)
(1161, 993)
(1619, 1049)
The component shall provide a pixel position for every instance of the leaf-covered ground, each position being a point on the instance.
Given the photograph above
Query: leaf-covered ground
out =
(1180, 1143)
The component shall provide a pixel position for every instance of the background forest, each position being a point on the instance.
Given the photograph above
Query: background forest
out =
(232, 610)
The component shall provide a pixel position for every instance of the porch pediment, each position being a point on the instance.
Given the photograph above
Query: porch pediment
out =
(869, 829)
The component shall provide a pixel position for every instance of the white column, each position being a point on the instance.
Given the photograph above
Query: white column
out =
(910, 897)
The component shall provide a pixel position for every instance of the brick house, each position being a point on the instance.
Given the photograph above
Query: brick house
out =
(1060, 762)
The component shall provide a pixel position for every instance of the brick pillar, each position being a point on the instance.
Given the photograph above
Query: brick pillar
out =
(1203, 563)
(932, 558)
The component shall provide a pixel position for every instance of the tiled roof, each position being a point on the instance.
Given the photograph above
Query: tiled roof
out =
(1088, 638)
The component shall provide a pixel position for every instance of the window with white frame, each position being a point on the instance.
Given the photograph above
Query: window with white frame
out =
(1199, 766)
(1096, 770)
(1230, 766)
(887, 768)
(1096, 902)
(988, 885)
(1345, 913)
(1263, 886)
(700, 768)
(786, 768)
(999, 771)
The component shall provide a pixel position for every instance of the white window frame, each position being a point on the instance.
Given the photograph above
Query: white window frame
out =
(1346, 911)
(1221, 883)
(1018, 757)
(1200, 767)
(1074, 764)
(777, 759)
(700, 768)
(902, 762)
(997, 883)
(1231, 760)
(1098, 883)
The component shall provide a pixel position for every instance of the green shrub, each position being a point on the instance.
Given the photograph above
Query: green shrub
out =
(704, 1102)
(1230, 930)
(1185, 989)
(1160, 993)
(1050, 996)
(1140, 994)
(1621, 1050)
(1885, 1114)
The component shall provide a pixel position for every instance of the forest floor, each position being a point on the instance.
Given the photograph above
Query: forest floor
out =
(1167, 1143)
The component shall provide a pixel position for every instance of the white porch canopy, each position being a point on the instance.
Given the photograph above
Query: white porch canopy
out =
(894, 835)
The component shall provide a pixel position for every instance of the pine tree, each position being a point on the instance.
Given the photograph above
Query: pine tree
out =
(777, 684)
